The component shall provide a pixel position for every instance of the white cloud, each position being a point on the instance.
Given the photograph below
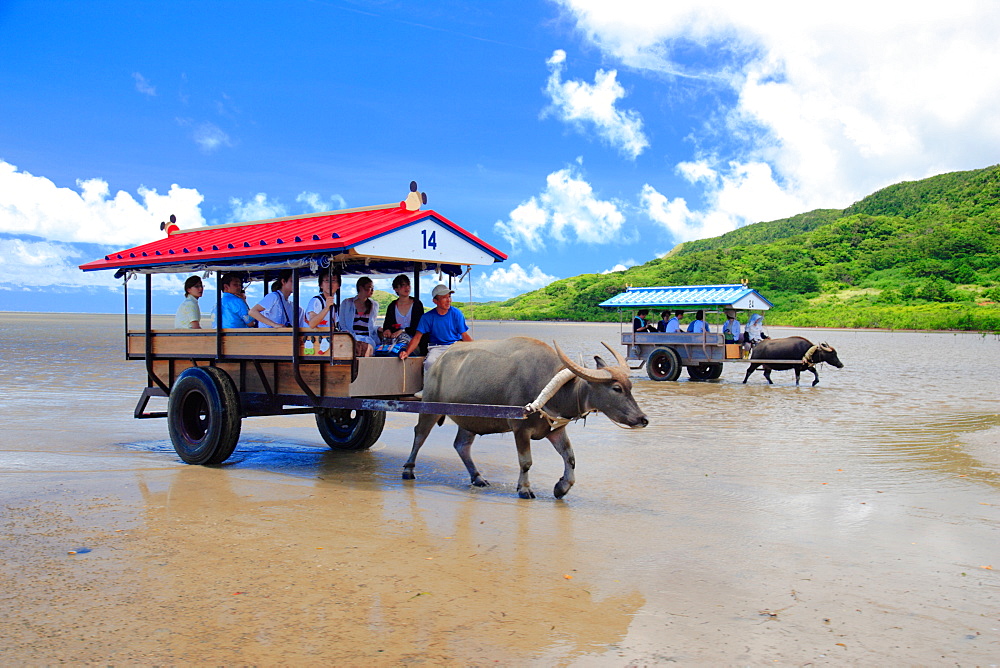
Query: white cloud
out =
(839, 103)
(258, 208)
(48, 264)
(735, 196)
(579, 104)
(507, 282)
(567, 203)
(621, 266)
(35, 205)
(316, 203)
(143, 86)
(209, 137)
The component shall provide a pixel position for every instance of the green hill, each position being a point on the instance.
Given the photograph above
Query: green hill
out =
(915, 255)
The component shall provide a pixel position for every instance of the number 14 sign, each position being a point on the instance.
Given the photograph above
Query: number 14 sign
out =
(426, 240)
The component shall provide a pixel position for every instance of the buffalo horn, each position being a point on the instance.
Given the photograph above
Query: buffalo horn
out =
(590, 375)
(618, 355)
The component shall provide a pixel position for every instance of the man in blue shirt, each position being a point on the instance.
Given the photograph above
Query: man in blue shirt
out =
(442, 326)
(699, 325)
(234, 309)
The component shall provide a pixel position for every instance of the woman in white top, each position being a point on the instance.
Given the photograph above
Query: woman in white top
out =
(274, 309)
(755, 330)
(359, 316)
(322, 309)
(188, 313)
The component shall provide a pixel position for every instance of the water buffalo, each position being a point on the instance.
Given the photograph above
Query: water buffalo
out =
(513, 372)
(791, 348)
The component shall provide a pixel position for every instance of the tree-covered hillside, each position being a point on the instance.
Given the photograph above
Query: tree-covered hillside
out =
(922, 254)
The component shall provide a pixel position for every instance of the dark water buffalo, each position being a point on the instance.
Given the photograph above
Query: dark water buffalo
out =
(791, 348)
(513, 372)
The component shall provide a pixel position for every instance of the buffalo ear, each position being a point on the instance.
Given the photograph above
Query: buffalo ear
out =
(600, 363)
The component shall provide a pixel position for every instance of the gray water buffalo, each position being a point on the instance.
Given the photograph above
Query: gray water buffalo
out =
(791, 348)
(513, 372)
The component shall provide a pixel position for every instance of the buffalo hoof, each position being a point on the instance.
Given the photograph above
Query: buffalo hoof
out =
(815, 383)
(525, 494)
(479, 481)
(562, 487)
(408, 474)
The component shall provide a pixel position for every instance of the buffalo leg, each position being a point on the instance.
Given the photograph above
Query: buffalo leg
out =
(523, 442)
(753, 367)
(798, 372)
(560, 441)
(767, 375)
(815, 376)
(424, 425)
(463, 445)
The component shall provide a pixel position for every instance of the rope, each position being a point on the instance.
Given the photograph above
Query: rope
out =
(807, 358)
(553, 386)
(547, 392)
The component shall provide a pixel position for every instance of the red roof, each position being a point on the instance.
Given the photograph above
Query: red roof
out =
(325, 234)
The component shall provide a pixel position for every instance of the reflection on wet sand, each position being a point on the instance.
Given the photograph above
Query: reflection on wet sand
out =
(342, 573)
(939, 445)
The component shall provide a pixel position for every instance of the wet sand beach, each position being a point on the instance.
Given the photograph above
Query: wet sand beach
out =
(856, 522)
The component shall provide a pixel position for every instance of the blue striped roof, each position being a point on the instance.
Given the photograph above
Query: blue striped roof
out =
(680, 296)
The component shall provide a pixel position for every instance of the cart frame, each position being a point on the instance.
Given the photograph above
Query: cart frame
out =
(214, 378)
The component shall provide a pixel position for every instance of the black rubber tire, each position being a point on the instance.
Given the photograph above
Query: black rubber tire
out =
(350, 430)
(203, 415)
(705, 372)
(663, 364)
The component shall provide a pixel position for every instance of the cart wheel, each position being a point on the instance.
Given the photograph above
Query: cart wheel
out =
(345, 429)
(705, 372)
(203, 415)
(663, 364)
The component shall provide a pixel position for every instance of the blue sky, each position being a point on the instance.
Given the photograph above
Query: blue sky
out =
(577, 136)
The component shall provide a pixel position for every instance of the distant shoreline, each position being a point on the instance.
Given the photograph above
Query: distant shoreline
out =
(563, 322)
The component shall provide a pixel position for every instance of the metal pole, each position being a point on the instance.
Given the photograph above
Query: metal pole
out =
(125, 286)
(218, 315)
(296, 368)
(149, 337)
(417, 266)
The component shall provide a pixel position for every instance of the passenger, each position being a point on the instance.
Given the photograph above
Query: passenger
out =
(242, 294)
(234, 309)
(274, 309)
(669, 323)
(639, 323)
(321, 310)
(755, 331)
(442, 326)
(698, 324)
(731, 327)
(359, 316)
(322, 306)
(188, 314)
(403, 315)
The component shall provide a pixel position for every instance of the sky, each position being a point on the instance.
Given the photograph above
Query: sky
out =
(576, 136)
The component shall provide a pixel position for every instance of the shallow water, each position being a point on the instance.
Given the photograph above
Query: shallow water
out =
(854, 521)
